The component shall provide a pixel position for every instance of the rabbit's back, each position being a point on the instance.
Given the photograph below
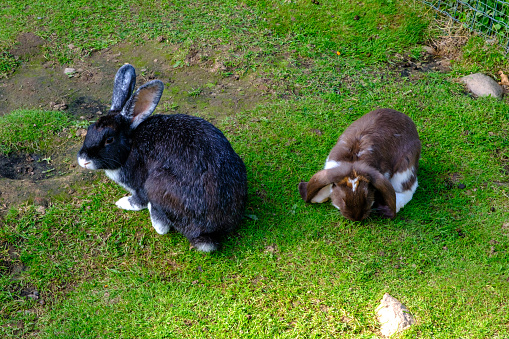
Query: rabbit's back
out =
(191, 169)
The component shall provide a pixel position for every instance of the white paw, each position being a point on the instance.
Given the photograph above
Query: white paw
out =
(205, 247)
(125, 204)
(159, 226)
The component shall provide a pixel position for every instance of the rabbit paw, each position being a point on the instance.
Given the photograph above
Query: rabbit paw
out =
(386, 212)
(126, 204)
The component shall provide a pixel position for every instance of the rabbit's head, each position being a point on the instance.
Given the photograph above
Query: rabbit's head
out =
(353, 189)
(108, 141)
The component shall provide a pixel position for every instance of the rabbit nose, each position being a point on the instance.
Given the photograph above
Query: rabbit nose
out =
(83, 163)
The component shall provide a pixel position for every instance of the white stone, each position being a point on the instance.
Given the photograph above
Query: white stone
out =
(69, 71)
(483, 85)
(393, 316)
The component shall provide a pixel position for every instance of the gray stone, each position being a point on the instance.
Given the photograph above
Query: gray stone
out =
(393, 316)
(483, 85)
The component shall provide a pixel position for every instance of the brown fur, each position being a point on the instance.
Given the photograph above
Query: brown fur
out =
(372, 149)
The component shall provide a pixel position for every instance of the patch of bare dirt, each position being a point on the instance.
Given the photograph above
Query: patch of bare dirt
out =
(440, 51)
(28, 44)
(9, 261)
(407, 66)
(29, 166)
(37, 178)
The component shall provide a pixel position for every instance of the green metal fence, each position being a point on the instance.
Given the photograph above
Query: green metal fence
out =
(489, 18)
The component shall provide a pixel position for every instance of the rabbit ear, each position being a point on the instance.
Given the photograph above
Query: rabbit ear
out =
(123, 87)
(308, 190)
(143, 102)
(384, 187)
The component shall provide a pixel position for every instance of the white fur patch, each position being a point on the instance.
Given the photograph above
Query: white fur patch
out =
(160, 227)
(331, 164)
(322, 195)
(403, 198)
(354, 182)
(115, 176)
(125, 204)
(206, 247)
(398, 179)
(85, 163)
(335, 206)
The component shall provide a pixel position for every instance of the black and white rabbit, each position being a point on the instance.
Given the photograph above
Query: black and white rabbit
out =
(373, 165)
(180, 167)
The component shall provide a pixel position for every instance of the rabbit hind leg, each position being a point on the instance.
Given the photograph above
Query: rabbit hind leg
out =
(204, 243)
(160, 221)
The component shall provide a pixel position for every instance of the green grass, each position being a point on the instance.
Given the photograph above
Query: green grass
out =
(30, 131)
(253, 32)
(291, 270)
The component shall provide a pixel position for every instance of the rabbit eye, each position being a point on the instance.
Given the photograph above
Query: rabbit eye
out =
(109, 140)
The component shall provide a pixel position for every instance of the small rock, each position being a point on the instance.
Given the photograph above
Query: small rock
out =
(429, 49)
(483, 85)
(462, 186)
(393, 316)
(58, 107)
(69, 71)
(81, 132)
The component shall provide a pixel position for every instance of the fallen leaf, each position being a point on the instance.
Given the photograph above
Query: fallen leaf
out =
(504, 80)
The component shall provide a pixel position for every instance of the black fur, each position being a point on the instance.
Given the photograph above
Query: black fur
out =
(182, 165)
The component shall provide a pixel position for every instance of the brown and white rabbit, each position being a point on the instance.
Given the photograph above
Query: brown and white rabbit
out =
(180, 167)
(373, 165)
